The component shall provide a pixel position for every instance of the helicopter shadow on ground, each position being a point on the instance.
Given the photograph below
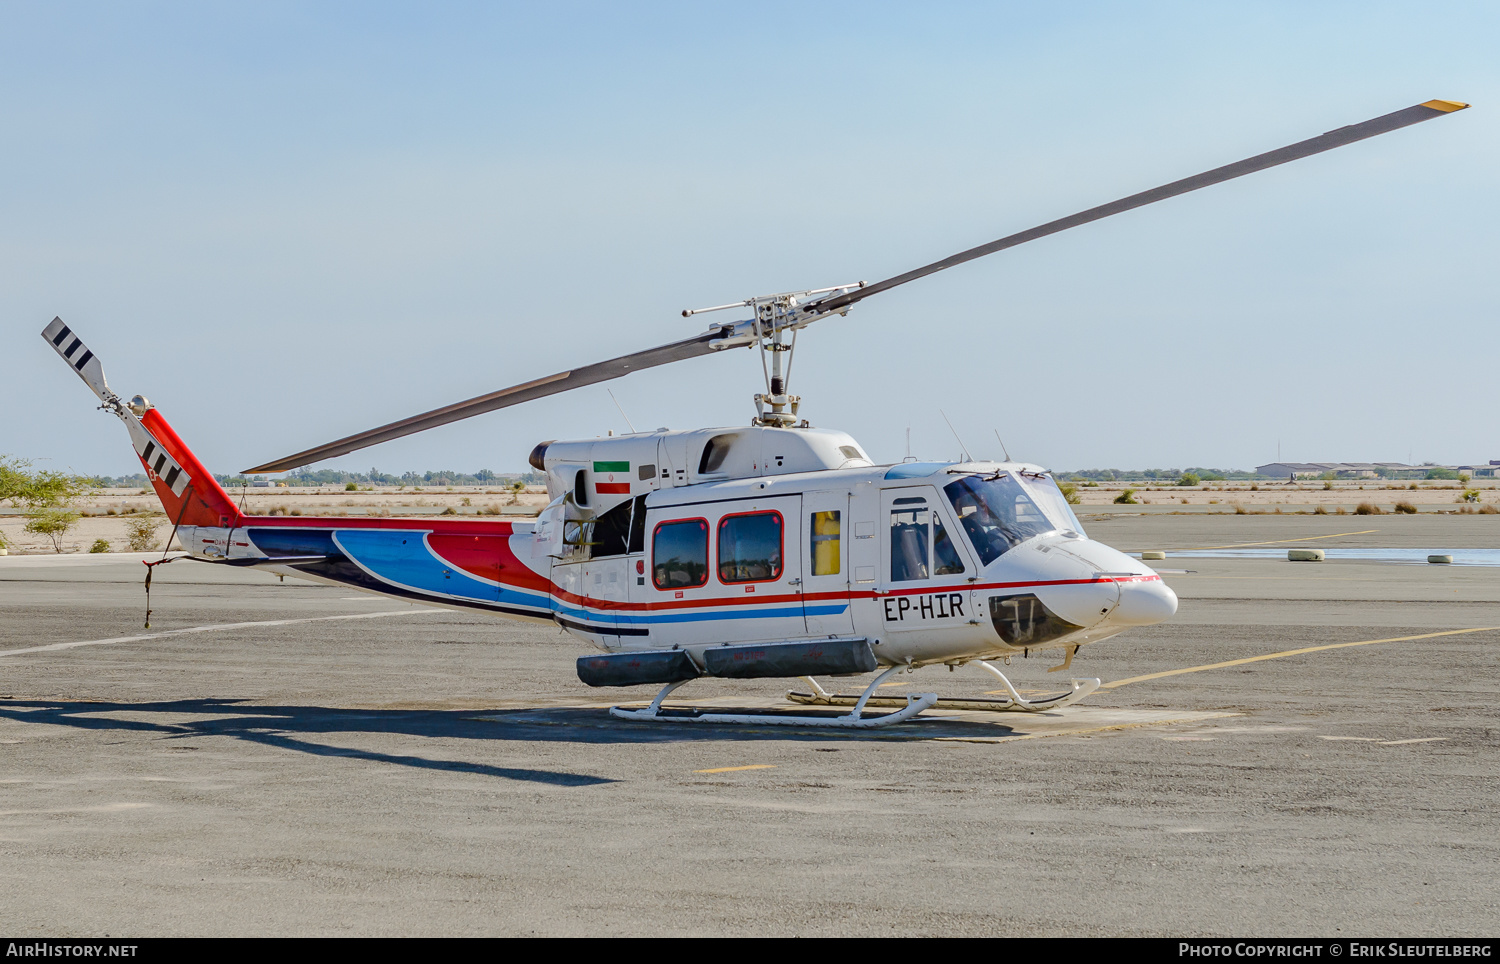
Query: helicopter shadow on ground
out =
(294, 728)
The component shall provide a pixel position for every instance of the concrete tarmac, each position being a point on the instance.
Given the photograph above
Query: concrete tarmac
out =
(345, 764)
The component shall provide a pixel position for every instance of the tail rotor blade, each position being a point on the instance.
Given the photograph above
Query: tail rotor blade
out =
(78, 357)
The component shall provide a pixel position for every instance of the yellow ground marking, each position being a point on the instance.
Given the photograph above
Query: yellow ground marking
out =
(753, 766)
(1293, 652)
(1277, 542)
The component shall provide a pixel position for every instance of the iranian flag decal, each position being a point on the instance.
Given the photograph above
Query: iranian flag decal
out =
(610, 486)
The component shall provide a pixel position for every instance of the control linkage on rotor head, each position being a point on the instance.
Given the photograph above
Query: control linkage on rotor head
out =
(775, 316)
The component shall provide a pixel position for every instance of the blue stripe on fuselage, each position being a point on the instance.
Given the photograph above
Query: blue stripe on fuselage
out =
(403, 558)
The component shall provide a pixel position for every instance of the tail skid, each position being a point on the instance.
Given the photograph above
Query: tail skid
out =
(188, 491)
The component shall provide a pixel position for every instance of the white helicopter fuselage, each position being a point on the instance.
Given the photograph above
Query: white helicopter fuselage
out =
(932, 562)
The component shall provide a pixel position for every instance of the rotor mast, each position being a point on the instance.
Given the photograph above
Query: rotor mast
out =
(773, 329)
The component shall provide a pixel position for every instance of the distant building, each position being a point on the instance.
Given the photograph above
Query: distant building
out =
(1369, 470)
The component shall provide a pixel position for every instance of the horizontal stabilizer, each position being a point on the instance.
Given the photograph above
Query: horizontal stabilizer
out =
(264, 560)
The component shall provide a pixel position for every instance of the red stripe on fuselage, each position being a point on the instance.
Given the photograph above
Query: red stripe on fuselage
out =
(782, 599)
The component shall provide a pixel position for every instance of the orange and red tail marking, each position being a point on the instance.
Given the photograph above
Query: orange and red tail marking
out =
(204, 502)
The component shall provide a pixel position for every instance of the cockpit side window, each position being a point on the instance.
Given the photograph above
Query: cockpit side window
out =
(911, 533)
(944, 552)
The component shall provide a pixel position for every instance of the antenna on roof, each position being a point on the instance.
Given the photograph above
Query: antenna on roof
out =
(961, 445)
(1002, 445)
(622, 411)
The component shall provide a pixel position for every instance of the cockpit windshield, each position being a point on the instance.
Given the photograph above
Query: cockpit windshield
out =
(1044, 490)
(996, 513)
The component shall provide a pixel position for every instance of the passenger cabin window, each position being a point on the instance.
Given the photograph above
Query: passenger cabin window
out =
(750, 547)
(825, 543)
(917, 536)
(679, 553)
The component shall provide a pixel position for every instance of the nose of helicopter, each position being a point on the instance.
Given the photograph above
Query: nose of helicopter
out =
(1144, 599)
(1144, 603)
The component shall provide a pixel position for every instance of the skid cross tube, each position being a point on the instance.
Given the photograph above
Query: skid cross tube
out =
(855, 719)
(1013, 703)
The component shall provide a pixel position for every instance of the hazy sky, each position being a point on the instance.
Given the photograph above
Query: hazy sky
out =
(288, 222)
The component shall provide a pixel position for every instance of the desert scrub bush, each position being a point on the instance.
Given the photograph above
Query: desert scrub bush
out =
(466, 501)
(52, 523)
(1327, 486)
(100, 545)
(140, 534)
(1189, 479)
(1488, 510)
(1340, 511)
(1126, 498)
(516, 488)
(1368, 508)
(1238, 509)
(1320, 510)
(1070, 492)
(351, 486)
(1406, 507)
(1470, 495)
(449, 511)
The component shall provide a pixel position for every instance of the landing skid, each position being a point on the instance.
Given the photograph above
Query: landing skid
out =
(1014, 703)
(911, 705)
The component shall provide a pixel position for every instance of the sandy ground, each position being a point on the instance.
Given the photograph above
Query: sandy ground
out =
(1301, 750)
(474, 500)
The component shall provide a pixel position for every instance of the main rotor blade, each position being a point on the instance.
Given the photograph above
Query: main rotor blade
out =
(1316, 145)
(505, 397)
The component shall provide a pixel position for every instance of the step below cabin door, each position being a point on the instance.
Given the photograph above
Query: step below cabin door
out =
(825, 564)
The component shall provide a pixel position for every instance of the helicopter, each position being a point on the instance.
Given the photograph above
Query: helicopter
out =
(769, 550)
